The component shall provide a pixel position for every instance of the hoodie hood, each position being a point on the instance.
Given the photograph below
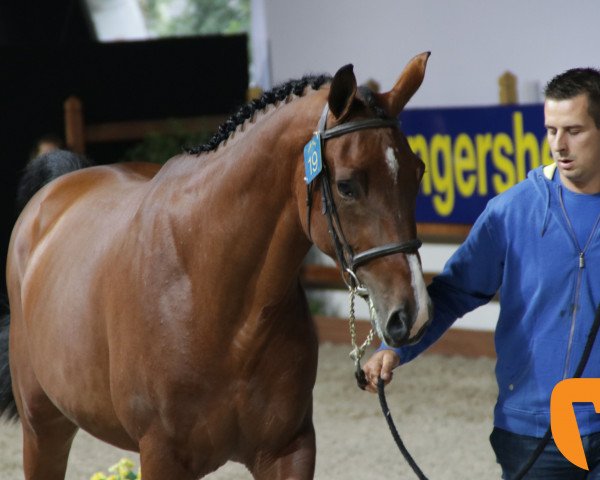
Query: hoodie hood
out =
(542, 179)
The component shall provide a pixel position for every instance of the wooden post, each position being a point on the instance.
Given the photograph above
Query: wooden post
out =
(507, 84)
(373, 85)
(253, 93)
(74, 126)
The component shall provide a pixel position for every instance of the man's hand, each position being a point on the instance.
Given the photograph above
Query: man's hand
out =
(381, 365)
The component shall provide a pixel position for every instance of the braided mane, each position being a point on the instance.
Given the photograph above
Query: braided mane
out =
(277, 94)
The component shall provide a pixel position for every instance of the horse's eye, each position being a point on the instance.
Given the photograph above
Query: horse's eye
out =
(347, 189)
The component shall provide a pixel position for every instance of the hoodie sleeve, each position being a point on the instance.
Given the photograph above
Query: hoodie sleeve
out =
(470, 278)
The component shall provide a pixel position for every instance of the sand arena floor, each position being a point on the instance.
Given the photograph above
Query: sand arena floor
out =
(442, 407)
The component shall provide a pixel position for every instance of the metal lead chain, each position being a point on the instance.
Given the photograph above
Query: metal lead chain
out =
(357, 352)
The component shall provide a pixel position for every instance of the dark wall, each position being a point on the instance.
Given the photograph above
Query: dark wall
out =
(44, 22)
(117, 81)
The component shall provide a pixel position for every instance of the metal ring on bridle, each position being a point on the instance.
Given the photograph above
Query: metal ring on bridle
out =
(355, 284)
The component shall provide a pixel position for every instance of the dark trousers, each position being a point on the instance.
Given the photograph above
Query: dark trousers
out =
(513, 451)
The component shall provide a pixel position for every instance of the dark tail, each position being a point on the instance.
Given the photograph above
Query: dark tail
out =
(45, 168)
(8, 407)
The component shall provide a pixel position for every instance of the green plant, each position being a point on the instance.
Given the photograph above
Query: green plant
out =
(196, 17)
(123, 470)
(159, 147)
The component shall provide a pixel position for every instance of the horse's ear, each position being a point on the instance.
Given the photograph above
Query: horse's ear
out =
(342, 92)
(406, 86)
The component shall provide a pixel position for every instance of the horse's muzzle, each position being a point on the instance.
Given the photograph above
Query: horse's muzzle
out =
(399, 324)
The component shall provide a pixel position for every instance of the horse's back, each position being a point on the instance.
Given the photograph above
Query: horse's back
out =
(76, 198)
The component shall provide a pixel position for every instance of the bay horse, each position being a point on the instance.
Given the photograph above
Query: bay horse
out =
(160, 309)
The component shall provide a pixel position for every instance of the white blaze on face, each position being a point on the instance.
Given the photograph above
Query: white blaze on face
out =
(392, 162)
(420, 290)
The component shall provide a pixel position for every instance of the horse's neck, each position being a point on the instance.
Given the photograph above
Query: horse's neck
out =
(243, 205)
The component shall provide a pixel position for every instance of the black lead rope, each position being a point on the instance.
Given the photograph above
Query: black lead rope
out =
(388, 417)
(362, 382)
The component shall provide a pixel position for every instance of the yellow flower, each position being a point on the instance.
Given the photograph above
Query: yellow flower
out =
(123, 467)
(122, 470)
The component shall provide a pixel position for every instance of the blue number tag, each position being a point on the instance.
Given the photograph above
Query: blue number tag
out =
(313, 162)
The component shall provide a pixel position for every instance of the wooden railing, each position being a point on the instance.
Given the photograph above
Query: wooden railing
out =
(78, 134)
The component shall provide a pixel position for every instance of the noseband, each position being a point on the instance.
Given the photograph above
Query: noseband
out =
(347, 259)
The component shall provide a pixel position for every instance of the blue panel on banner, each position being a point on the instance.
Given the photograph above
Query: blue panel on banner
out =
(471, 155)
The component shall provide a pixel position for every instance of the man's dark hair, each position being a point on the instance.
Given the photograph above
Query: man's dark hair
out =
(577, 81)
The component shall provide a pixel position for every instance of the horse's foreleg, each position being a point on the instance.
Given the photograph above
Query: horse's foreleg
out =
(46, 444)
(159, 460)
(295, 462)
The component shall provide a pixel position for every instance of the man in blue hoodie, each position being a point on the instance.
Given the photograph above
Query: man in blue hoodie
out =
(538, 244)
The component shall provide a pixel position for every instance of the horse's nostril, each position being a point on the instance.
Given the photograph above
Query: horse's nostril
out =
(398, 326)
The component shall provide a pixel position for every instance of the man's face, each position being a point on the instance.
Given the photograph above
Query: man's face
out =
(575, 143)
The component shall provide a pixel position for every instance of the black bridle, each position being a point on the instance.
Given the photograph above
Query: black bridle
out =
(347, 259)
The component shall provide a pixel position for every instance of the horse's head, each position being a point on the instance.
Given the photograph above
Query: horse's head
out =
(367, 189)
